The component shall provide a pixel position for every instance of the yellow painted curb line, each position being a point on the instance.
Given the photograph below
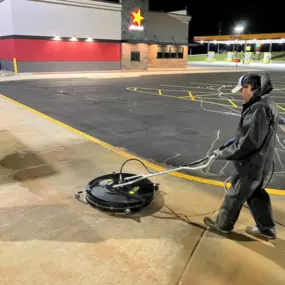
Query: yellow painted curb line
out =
(128, 155)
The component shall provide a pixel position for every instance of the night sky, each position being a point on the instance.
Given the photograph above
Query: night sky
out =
(207, 18)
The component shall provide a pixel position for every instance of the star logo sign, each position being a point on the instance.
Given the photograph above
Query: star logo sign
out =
(137, 17)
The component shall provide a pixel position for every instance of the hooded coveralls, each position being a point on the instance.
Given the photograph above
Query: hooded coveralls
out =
(252, 154)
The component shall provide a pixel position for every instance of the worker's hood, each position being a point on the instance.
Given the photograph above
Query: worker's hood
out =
(266, 86)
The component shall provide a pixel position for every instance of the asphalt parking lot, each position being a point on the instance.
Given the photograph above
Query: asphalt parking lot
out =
(170, 119)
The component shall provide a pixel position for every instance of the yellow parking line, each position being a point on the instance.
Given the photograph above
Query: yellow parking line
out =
(128, 155)
(152, 93)
(216, 98)
(212, 94)
(233, 103)
(181, 98)
(283, 109)
(187, 97)
(162, 89)
(191, 95)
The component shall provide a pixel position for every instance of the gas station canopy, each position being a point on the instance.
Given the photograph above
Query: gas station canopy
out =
(243, 39)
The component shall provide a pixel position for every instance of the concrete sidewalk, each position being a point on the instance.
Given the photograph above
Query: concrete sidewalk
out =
(48, 237)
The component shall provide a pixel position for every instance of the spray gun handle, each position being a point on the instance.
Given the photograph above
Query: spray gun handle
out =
(228, 143)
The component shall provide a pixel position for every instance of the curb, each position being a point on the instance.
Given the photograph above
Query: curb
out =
(115, 74)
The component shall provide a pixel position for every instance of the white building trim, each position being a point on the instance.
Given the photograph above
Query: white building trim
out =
(85, 3)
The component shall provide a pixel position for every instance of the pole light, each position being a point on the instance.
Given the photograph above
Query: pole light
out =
(239, 29)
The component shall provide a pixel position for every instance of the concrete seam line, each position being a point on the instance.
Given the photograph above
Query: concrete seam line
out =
(128, 155)
(190, 258)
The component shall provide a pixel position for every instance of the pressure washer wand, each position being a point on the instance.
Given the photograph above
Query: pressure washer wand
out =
(189, 166)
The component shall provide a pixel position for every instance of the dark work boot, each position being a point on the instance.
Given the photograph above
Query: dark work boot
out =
(214, 226)
(254, 231)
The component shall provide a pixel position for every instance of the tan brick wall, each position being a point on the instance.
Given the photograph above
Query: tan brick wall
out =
(154, 62)
(127, 64)
(149, 58)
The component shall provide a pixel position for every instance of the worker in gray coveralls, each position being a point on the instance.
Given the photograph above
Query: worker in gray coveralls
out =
(252, 153)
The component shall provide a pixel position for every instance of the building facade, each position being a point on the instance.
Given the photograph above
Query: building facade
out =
(87, 35)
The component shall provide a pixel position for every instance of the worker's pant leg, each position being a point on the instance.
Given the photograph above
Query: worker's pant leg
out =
(239, 192)
(260, 206)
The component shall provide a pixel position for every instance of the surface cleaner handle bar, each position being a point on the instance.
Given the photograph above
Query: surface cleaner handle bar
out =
(189, 166)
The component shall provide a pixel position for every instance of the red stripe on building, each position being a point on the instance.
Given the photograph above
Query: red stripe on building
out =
(44, 50)
(7, 51)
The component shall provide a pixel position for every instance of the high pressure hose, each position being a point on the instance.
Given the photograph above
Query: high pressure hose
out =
(131, 159)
